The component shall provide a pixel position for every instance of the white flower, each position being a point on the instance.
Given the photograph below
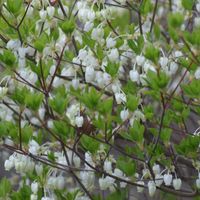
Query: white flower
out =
(75, 83)
(89, 74)
(110, 42)
(91, 15)
(167, 179)
(197, 73)
(158, 179)
(97, 34)
(34, 187)
(156, 169)
(46, 198)
(113, 55)
(87, 178)
(22, 52)
(124, 114)
(13, 44)
(60, 182)
(120, 98)
(88, 26)
(77, 161)
(8, 141)
(140, 60)
(34, 147)
(50, 11)
(177, 183)
(30, 11)
(8, 165)
(151, 188)
(106, 183)
(198, 183)
(163, 61)
(197, 21)
(39, 169)
(198, 7)
(107, 166)
(134, 75)
(3, 91)
(43, 14)
(173, 67)
(34, 197)
(79, 121)
(140, 189)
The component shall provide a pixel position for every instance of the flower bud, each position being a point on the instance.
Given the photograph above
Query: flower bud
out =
(198, 183)
(75, 83)
(158, 180)
(107, 166)
(177, 183)
(167, 179)
(50, 11)
(124, 115)
(113, 55)
(89, 74)
(8, 165)
(43, 14)
(156, 169)
(140, 189)
(110, 42)
(39, 169)
(197, 73)
(120, 97)
(140, 60)
(79, 121)
(34, 197)
(151, 188)
(34, 187)
(163, 62)
(134, 76)
(60, 183)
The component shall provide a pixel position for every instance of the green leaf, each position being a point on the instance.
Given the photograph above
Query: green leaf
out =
(27, 133)
(90, 98)
(8, 58)
(157, 81)
(41, 42)
(192, 89)
(112, 68)
(136, 45)
(126, 165)
(175, 20)
(118, 195)
(68, 26)
(89, 143)
(14, 6)
(105, 107)
(165, 134)
(189, 146)
(152, 53)
(19, 95)
(88, 41)
(137, 131)
(146, 7)
(61, 128)
(5, 187)
(132, 102)
(188, 4)
(33, 100)
(58, 103)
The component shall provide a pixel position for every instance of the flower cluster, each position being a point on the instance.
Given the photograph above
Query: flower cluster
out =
(99, 96)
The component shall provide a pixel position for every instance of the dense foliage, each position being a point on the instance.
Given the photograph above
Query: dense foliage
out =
(100, 98)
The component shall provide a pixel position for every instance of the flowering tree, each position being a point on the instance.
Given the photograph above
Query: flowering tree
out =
(100, 98)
